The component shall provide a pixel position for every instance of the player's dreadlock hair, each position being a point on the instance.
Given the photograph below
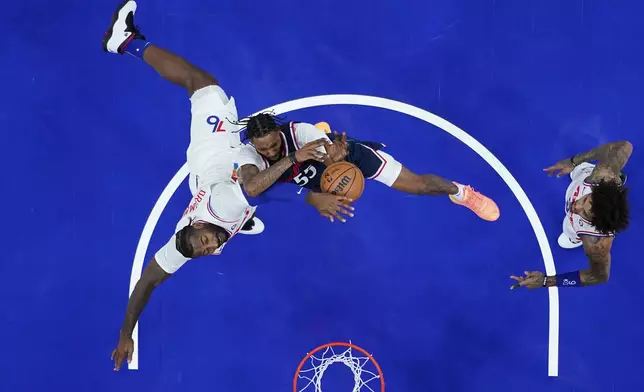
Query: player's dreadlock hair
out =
(610, 207)
(260, 124)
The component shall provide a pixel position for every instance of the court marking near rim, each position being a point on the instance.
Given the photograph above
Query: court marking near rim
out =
(382, 103)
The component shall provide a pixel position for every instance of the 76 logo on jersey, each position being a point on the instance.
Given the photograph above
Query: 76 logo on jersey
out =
(217, 124)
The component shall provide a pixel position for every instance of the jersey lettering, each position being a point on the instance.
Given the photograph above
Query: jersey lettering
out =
(303, 178)
(197, 199)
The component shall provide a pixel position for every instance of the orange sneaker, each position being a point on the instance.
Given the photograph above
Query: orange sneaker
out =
(480, 204)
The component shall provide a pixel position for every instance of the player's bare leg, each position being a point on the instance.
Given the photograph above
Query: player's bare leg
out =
(124, 37)
(433, 185)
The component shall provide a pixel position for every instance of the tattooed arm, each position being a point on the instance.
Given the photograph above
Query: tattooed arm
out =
(611, 157)
(597, 250)
(255, 181)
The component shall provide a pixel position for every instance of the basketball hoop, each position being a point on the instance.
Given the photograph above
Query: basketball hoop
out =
(328, 354)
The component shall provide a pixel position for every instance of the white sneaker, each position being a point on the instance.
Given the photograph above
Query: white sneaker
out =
(122, 29)
(252, 227)
(567, 243)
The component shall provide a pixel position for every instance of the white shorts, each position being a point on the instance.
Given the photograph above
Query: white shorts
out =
(214, 138)
(390, 170)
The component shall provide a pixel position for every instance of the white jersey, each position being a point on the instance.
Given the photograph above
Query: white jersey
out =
(212, 155)
(575, 225)
(223, 205)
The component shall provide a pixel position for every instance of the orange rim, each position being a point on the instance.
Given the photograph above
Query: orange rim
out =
(343, 344)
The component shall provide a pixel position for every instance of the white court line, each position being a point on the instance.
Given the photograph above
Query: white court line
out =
(363, 100)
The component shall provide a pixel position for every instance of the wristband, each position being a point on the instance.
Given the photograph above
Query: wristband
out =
(291, 157)
(572, 162)
(569, 279)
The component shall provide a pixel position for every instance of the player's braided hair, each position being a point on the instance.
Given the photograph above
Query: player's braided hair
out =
(182, 241)
(260, 124)
(610, 208)
(183, 236)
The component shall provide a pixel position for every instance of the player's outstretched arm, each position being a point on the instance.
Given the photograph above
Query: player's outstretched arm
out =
(597, 250)
(152, 277)
(611, 157)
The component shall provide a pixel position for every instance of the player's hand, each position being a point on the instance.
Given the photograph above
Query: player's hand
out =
(309, 151)
(333, 207)
(564, 167)
(339, 149)
(123, 350)
(531, 280)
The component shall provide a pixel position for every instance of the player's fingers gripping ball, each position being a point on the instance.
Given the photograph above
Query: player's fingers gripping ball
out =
(343, 179)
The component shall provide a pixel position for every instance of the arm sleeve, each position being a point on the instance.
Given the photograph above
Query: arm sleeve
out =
(169, 258)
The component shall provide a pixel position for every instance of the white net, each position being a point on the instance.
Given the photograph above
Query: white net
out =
(313, 377)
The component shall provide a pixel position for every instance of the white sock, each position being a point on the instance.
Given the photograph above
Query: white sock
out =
(461, 192)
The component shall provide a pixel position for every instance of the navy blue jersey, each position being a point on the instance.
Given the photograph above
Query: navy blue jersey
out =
(307, 174)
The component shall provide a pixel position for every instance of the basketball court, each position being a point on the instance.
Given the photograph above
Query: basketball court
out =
(484, 92)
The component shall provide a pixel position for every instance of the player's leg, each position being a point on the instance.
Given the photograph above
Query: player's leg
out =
(124, 37)
(211, 108)
(382, 167)
(433, 185)
(425, 184)
(210, 158)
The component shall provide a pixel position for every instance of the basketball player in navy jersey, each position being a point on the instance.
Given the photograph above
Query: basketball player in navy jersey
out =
(596, 209)
(275, 154)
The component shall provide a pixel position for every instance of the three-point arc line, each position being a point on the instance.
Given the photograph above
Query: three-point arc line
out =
(382, 103)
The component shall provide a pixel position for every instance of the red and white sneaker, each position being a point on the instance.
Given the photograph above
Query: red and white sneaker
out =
(122, 29)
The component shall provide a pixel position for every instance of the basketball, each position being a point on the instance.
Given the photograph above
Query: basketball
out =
(343, 179)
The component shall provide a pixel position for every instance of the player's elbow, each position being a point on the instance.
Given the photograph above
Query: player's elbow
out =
(251, 190)
(601, 276)
(628, 147)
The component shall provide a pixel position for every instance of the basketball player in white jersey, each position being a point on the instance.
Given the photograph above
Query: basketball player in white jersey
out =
(218, 210)
(596, 208)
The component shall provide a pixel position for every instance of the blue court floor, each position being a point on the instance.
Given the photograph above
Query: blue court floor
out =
(91, 140)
